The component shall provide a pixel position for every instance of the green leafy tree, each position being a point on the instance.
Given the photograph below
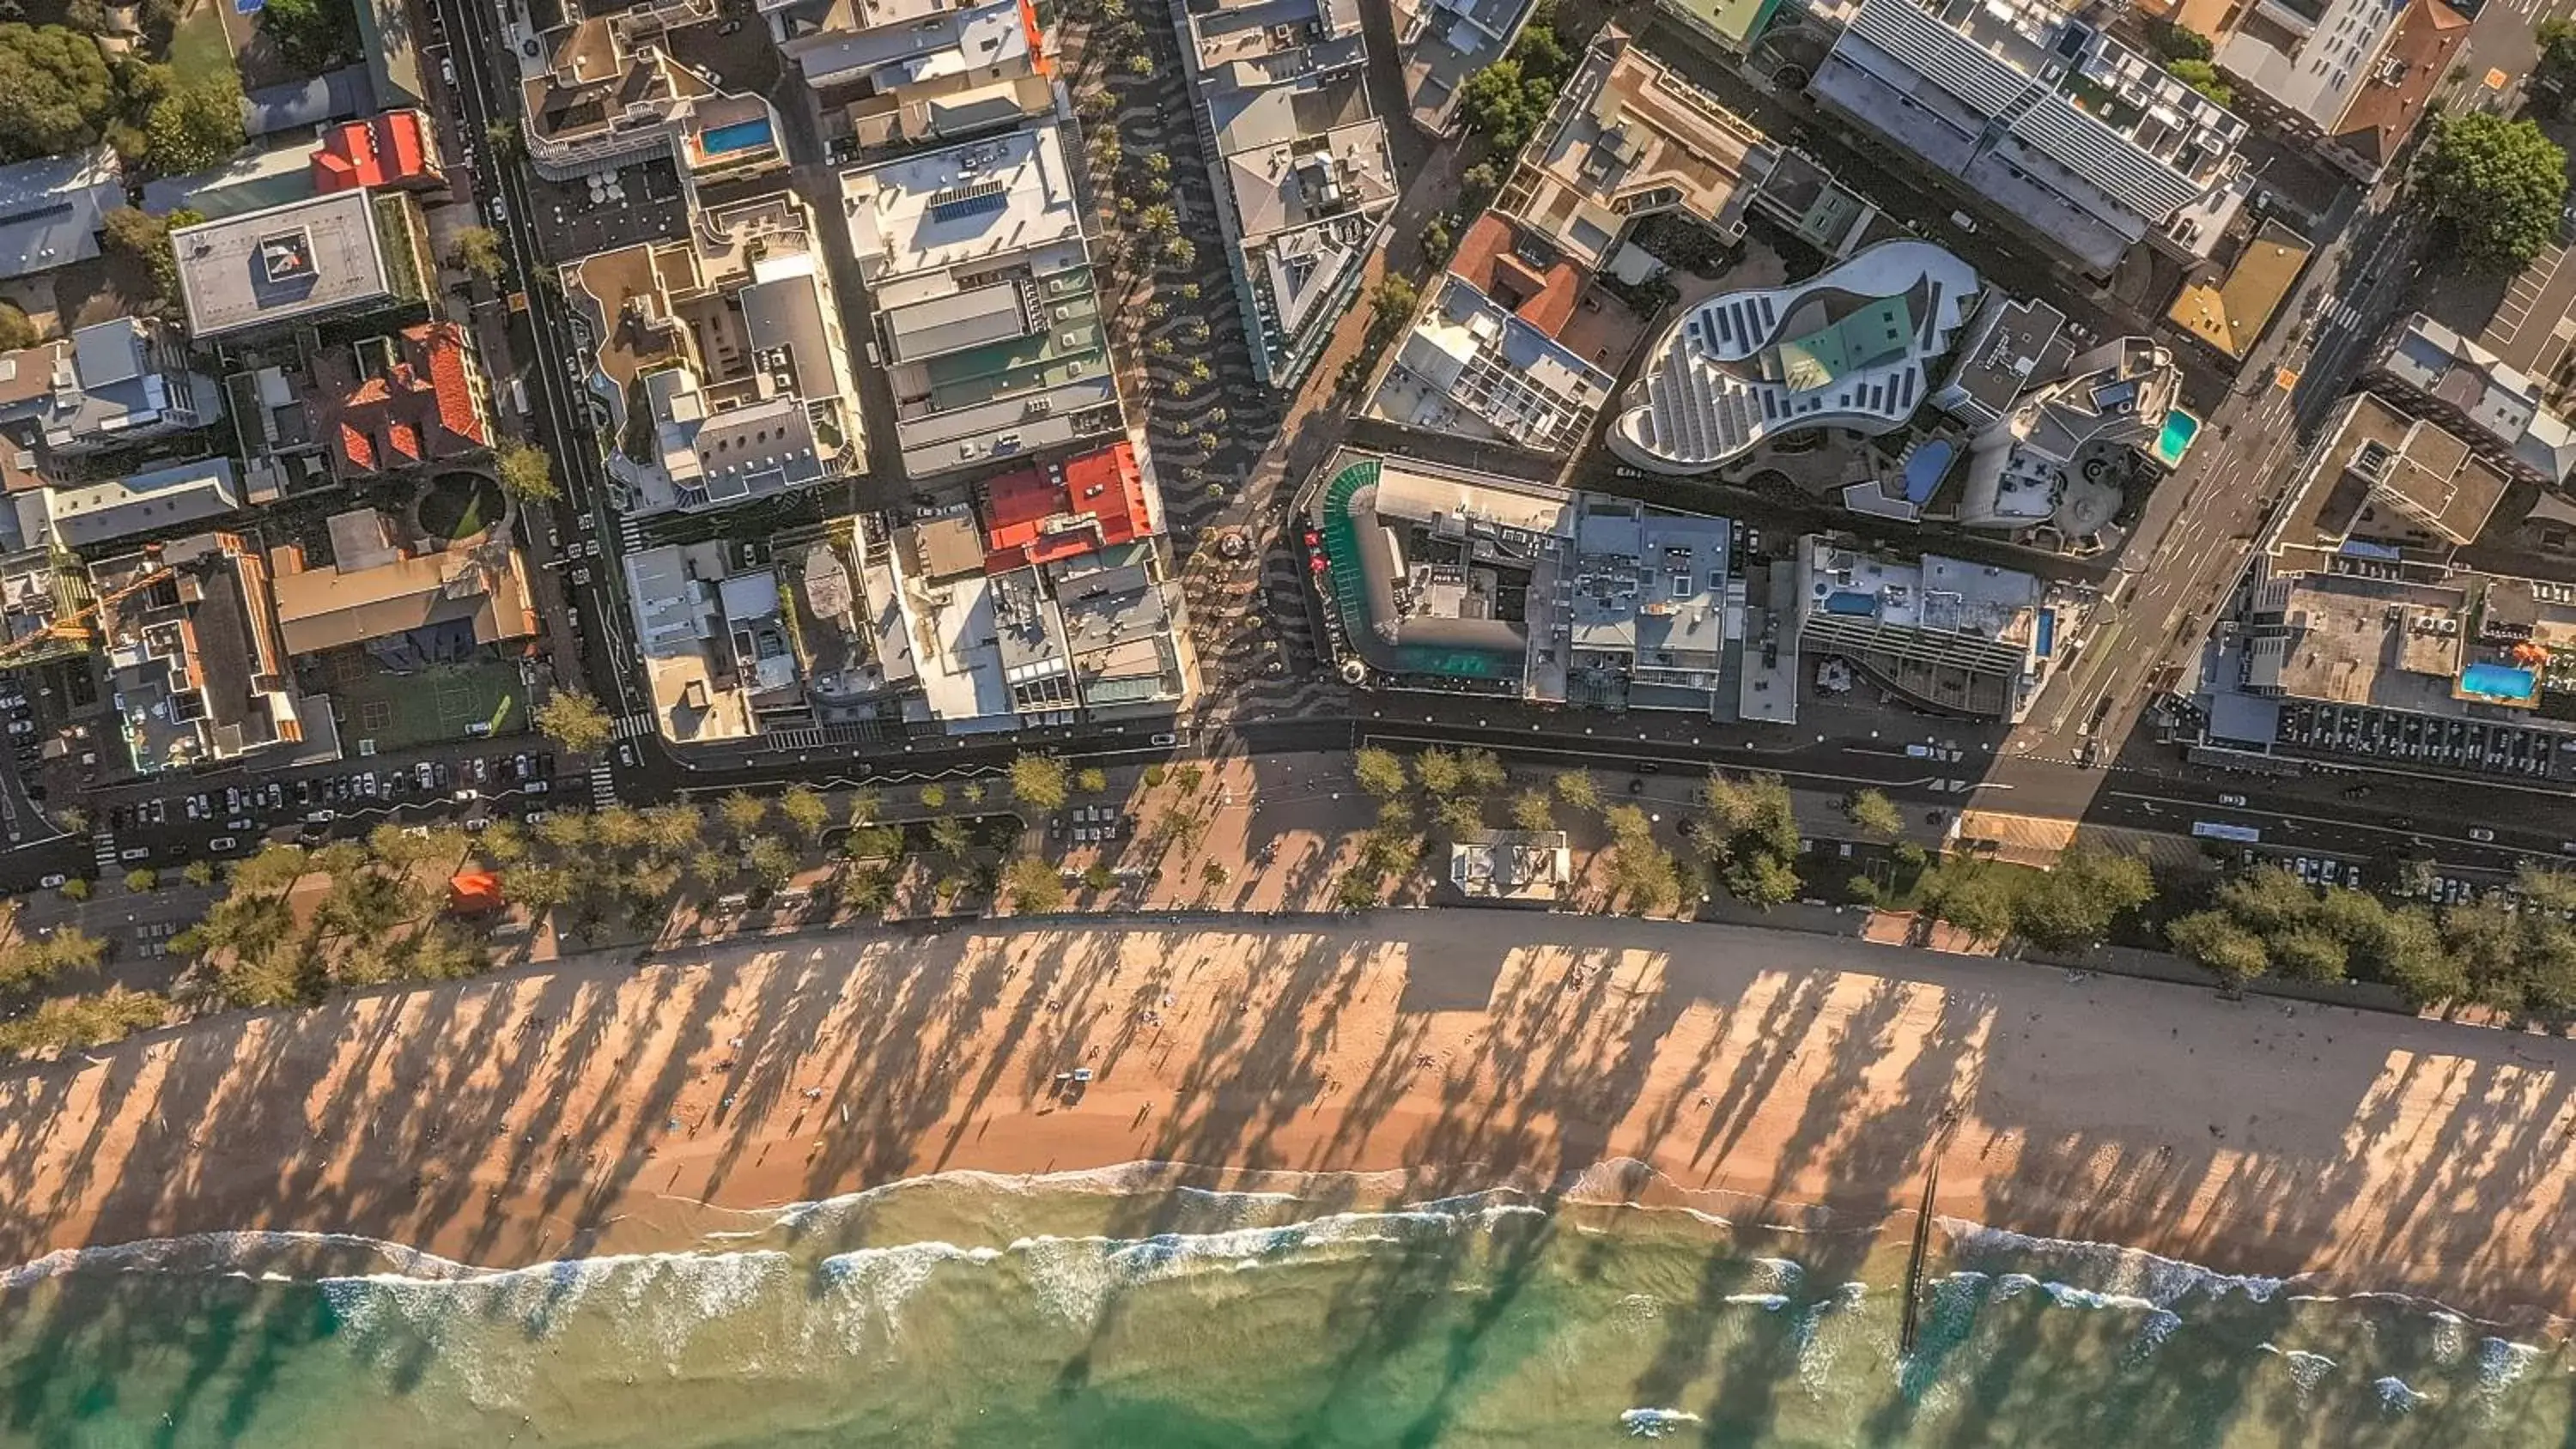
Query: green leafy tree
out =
(476, 250)
(2556, 68)
(742, 812)
(74, 889)
(199, 873)
(194, 127)
(2073, 906)
(934, 796)
(1761, 879)
(1458, 817)
(1039, 781)
(16, 331)
(142, 879)
(805, 812)
(1577, 789)
(2203, 77)
(772, 863)
(1395, 298)
(1437, 771)
(2494, 187)
(538, 888)
(1505, 105)
(2216, 941)
(2308, 954)
(1531, 810)
(314, 36)
(1379, 772)
(55, 93)
(574, 720)
(1873, 814)
(1091, 780)
(72, 1023)
(1480, 771)
(526, 473)
(2173, 42)
(1979, 902)
(1032, 886)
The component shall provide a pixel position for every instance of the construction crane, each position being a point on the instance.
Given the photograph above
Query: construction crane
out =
(73, 628)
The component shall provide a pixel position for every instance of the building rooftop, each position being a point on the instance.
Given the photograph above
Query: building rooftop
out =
(400, 400)
(51, 209)
(198, 667)
(163, 500)
(983, 200)
(2498, 401)
(2008, 344)
(2090, 145)
(1040, 515)
(1471, 366)
(393, 149)
(2229, 307)
(110, 384)
(1848, 348)
(1301, 179)
(481, 594)
(265, 268)
(1628, 136)
(2360, 76)
(2385, 484)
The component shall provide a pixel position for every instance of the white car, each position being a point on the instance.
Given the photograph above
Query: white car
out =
(51, 881)
(2481, 835)
(221, 844)
(320, 817)
(2232, 802)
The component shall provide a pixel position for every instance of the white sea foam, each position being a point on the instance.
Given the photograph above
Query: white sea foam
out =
(2501, 1364)
(2307, 1369)
(1768, 1302)
(2397, 1397)
(1655, 1423)
(1785, 1273)
(221, 1251)
(2110, 1268)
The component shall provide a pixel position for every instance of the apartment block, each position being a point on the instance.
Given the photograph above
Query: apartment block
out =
(1301, 169)
(986, 307)
(2074, 140)
(1944, 632)
(721, 361)
(910, 72)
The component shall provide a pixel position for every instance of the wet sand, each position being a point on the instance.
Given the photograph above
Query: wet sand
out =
(602, 1106)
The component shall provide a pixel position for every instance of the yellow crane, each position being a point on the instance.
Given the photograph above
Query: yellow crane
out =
(73, 627)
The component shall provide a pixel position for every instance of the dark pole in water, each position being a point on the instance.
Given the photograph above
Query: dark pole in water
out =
(1922, 1239)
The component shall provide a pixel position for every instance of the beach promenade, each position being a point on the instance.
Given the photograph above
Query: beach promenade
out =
(595, 1106)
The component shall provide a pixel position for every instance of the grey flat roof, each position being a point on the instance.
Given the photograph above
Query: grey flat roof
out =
(50, 210)
(289, 261)
(957, 322)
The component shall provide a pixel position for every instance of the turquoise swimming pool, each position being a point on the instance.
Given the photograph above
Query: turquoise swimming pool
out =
(740, 136)
(2180, 428)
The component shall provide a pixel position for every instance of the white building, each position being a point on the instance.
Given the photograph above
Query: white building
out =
(1851, 347)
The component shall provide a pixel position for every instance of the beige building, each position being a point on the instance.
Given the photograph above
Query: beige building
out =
(407, 608)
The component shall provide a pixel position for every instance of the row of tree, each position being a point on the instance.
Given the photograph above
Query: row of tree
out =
(2516, 955)
(59, 93)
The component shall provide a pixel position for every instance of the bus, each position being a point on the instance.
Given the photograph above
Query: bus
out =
(2223, 830)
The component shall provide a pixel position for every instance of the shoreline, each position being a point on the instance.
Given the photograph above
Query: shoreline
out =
(510, 1120)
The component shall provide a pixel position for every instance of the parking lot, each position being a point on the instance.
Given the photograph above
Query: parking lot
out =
(2389, 737)
(236, 820)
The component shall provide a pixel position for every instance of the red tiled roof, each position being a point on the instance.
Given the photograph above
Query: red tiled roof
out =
(388, 150)
(1100, 502)
(2375, 125)
(422, 407)
(1542, 296)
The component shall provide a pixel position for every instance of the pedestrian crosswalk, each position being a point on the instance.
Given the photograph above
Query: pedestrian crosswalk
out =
(603, 785)
(2343, 315)
(630, 534)
(106, 844)
(633, 727)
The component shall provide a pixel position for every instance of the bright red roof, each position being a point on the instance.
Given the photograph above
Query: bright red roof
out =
(1031, 518)
(385, 151)
(420, 409)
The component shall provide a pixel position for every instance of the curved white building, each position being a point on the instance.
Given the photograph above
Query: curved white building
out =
(1851, 347)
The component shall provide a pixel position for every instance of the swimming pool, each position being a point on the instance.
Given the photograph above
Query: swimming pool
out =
(739, 136)
(1923, 471)
(2180, 428)
(2499, 681)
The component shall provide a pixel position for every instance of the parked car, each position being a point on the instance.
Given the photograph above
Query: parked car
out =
(2232, 802)
(2481, 835)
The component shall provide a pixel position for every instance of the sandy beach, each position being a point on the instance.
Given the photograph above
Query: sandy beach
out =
(595, 1106)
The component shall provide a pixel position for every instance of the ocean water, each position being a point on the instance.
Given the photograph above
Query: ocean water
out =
(1146, 1306)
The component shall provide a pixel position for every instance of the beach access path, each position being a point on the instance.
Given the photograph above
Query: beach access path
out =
(594, 1105)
